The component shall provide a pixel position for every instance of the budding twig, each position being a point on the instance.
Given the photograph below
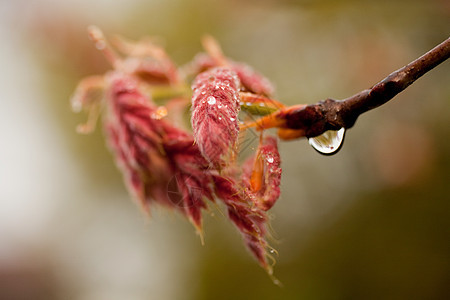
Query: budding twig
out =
(331, 114)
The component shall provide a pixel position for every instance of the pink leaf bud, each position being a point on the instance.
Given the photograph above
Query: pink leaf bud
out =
(251, 80)
(262, 174)
(215, 108)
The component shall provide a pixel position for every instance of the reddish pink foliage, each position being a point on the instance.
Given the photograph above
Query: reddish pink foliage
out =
(215, 108)
(251, 81)
(156, 156)
(145, 60)
(163, 163)
(201, 63)
(269, 192)
(154, 71)
(159, 161)
(248, 218)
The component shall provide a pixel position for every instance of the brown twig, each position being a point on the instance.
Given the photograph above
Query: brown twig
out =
(331, 114)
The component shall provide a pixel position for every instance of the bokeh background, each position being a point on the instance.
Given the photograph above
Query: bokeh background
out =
(372, 222)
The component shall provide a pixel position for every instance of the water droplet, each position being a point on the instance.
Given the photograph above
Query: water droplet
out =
(232, 119)
(203, 93)
(272, 251)
(270, 159)
(211, 100)
(160, 113)
(219, 106)
(329, 142)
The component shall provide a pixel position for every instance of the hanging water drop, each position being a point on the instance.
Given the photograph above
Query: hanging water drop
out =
(329, 142)
(211, 100)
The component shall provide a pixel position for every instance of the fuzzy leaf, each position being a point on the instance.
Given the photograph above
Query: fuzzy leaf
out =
(215, 108)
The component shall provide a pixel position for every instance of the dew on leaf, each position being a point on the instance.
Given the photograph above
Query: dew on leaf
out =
(211, 100)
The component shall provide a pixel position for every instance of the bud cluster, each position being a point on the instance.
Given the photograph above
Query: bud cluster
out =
(165, 162)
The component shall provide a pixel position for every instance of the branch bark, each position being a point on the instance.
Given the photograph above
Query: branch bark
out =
(332, 114)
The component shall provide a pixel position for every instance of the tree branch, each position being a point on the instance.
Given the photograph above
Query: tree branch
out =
(331, 114)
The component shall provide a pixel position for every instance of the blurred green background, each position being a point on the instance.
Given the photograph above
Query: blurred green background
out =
(372, 222)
